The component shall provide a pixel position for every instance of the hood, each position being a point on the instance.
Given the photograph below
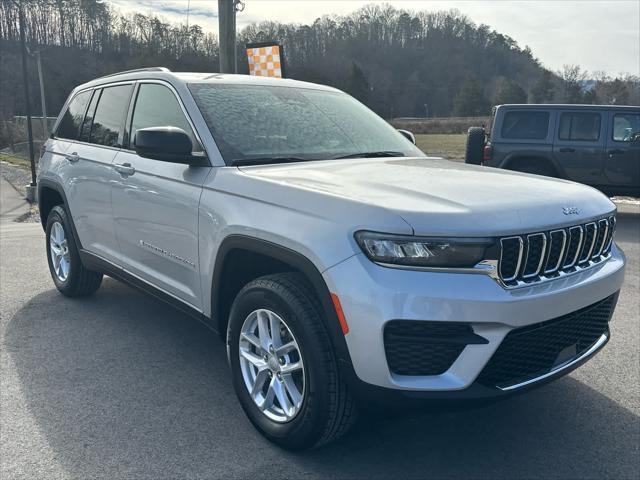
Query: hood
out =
(439, 197)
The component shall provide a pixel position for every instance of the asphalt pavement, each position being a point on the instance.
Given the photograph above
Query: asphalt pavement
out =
(121, 386)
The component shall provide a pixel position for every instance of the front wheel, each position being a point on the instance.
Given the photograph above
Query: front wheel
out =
(284, 369)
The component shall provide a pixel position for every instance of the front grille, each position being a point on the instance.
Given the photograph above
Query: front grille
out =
(532, 351)
(526, 259)
(425, 348)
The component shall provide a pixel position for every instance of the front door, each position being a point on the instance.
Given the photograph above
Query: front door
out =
(622, 164)
(579, 145)
(155, 203)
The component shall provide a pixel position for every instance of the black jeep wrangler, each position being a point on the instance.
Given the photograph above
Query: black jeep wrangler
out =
(598, 145)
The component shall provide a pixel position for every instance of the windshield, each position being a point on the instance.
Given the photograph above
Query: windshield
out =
(267, 124)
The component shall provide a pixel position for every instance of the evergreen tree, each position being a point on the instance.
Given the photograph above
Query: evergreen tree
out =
(470, 100)
(510, 92)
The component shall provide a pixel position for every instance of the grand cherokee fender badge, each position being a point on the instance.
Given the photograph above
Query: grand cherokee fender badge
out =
(166, 253)
(570, 210)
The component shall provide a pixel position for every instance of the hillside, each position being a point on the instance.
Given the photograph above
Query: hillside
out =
(400, 63)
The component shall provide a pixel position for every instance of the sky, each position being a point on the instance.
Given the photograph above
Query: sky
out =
(597, 35)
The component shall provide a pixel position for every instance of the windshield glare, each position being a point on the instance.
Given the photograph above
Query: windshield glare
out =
(257, 121)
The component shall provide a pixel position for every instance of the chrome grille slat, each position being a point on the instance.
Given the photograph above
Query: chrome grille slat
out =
(590, 233)
(556, 267)
(541, 259)
(519, 261)
(553, 254)
(603, 224)
(612, 229)
(579, 231)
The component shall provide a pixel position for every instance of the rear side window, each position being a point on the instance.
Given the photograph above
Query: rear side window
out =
(625, 126)
(157, 106)
(72, 118)
(583, 127)
(110, 115)
(525, 125)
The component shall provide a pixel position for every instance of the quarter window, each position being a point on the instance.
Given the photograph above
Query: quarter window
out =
(72, 118)
(109, 116)
(579, 127)
(88, 118)
(525, 125)
(157, 106)
(626, 126)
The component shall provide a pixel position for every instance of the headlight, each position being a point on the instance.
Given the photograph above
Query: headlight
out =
(425, 251)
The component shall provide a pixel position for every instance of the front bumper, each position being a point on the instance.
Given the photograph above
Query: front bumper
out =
(372, 295)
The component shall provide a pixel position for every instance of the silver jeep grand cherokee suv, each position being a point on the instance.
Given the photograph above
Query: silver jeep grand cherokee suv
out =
(338, 262)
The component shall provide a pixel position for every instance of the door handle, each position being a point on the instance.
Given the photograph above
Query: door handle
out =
(567, 150)
(124, 169)
(616, 151)
(72, 157)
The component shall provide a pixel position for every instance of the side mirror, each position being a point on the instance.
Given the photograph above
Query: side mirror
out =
(167, 144)
(408, 135)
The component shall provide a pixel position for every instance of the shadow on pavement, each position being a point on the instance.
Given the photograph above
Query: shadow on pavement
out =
(123, 386)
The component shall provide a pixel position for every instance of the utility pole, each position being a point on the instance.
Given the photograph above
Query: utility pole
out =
(31, 188)
(227, 35)
(43, 101)
(227, 10)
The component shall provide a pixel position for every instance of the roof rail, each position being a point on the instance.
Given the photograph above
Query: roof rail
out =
(147, 69)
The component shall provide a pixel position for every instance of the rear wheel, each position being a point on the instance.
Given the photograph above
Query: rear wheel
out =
(67, 271)
(284, 369)
(475, 145)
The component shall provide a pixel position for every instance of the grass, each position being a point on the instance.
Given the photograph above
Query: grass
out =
(451, 146)
(19, 162)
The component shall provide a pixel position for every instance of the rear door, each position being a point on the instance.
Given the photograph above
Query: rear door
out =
(91, 176)
(155, 203)
(579, 145)
(622, 164)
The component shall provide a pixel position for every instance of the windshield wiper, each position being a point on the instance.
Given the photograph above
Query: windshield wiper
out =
(266, 160)
(383, 153)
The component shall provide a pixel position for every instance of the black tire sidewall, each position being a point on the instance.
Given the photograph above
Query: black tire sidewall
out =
(58, 214)
(475, 143)
(306, 427)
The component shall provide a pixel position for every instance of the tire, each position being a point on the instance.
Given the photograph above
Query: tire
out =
(75, 280)
(475, 145)
(327, 409)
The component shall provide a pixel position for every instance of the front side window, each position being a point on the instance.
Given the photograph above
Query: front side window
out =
(525, 125)
(626, 127)
(272, 123)
(72, 118)
(110, 115)
(157, 106)
(584, 127)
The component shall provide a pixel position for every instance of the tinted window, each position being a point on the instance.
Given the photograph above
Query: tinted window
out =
(525, 125)
(625, 126)
(72, 118)
(157, 106)
(109, 116)
(579, 126)
(269, 122)
(88, 119)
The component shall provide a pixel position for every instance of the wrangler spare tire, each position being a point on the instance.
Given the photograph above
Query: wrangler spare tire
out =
(475, 145)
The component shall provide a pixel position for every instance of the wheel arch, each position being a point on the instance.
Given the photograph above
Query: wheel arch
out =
(242, 258)
(50, 194)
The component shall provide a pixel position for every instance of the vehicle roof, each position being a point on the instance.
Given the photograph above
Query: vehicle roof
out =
(158, 73)
(564, 106)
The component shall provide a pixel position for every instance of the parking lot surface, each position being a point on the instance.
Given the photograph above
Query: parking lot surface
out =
(121, 386)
